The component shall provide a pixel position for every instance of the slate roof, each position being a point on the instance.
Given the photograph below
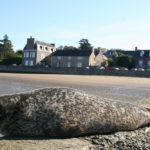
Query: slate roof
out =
(145, 53)
(126, 52)
(43, 43)
(34, 46)
(72, 53)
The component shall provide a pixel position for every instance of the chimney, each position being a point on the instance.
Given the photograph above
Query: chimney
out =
(30, 42)
(136, 48)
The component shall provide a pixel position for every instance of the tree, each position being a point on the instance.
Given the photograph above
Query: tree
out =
(19, 52)
(69, 48)
(110, 62)
(84, 44)
(125, 61)
(5, 47)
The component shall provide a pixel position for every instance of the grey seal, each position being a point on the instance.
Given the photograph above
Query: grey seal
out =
(64, 112)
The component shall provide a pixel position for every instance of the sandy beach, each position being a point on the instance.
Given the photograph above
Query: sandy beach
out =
(127, 89)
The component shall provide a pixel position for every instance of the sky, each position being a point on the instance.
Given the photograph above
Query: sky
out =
(109, 24)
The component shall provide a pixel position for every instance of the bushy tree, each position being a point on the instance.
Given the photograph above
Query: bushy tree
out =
(110, 62)
(69, 48)
(125, 61)
(5, 47)
(84, 44)
(7, 55)
(19, 52)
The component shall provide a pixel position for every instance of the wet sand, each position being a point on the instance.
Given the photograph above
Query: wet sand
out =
(127, 89)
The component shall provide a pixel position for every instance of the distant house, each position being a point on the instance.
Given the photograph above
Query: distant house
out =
(76, 58)
(109, 53)
(36, 52)
(142, 58)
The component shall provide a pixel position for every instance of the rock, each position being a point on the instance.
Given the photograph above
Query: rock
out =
(63, 113)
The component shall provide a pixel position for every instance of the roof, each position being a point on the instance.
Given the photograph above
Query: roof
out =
(145, 53)
(126, 52)
(32, 44)
(72, 53)
(43, 43)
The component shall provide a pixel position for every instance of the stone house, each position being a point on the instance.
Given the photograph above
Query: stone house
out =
(76, 58)
(36, 52)
(142, 58)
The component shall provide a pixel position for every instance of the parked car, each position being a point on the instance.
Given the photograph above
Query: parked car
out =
(114, 68)
(14, 65)
(87, 67)
(148, 69)
(133, 69)
(100, 68)
(124, 68)
(46, 66)
(141, 69)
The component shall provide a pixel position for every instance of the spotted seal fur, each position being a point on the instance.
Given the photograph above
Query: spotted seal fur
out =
(64, 112)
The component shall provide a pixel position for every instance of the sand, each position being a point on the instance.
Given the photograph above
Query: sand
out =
(79, 79)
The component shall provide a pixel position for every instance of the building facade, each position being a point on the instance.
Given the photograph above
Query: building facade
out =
(36, 52)
(142, 58)
(76, 59)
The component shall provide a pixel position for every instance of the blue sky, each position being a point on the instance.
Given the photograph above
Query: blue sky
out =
(106, 23)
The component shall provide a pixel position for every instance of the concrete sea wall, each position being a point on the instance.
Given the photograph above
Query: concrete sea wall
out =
(79, 71)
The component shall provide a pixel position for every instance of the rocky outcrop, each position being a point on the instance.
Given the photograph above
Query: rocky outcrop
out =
(63, 112)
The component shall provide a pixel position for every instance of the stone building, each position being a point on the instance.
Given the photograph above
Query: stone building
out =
(142, 58)
(36, 52)
(76, 58)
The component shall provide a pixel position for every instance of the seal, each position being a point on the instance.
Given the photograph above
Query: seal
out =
(64, 112)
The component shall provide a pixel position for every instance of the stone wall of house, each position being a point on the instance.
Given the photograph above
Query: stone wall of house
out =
(79, 71)
(61, 62)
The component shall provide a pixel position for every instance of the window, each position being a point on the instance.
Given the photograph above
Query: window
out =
(149, 54)
(79, 64)
(141, 53)
(42, 56)
(32, 54)
(26, 63)
(31, 63)
(148, 63)
(41, 47)
(140, 63)
(59, 57)
(26, 54)
(68, 64)
(69, 57)
(52, 49)
(46, 48)
(79, 58)
(57, 64)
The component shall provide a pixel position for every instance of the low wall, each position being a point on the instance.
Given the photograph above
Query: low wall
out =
(79, 71)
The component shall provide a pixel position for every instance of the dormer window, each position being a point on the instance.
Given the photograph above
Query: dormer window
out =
(46, 48)
(41, 47)
(141, 53)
